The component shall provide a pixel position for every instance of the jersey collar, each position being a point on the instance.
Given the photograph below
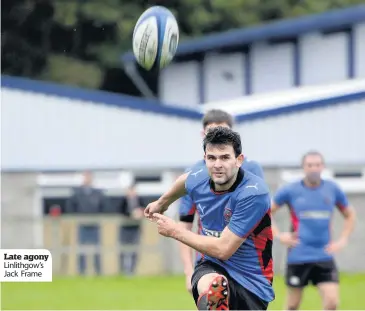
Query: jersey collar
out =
(239, 179)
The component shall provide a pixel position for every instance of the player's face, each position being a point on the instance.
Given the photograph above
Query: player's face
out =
(88, 178)
(213, 125)
(222, 164)
(313, 167)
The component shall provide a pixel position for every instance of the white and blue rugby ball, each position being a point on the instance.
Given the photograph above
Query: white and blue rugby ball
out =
(155, 38)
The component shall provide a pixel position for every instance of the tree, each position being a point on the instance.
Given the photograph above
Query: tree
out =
(79, 42)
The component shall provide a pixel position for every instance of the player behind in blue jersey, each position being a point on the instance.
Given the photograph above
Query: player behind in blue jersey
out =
(236, 271)
(311, 202)
(187, 209)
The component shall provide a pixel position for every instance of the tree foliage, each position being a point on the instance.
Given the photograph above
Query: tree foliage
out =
(79, 42)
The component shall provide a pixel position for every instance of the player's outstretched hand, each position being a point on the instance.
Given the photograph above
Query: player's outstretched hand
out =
(165, 225)
(153, 207)
(336, 246)
(289, 239)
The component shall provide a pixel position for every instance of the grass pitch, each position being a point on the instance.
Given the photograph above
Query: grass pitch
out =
(147, 293)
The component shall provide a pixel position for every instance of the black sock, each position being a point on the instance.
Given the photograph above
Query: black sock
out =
(203, 302)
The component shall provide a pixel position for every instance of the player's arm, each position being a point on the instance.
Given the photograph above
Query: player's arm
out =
(221, 248)
(249, 212)
(349, 214)
(176, 191)
(347, 211)
(274, 208)
(185, 251)
(282, 197)
(186, 255)
(349, 223)
(186, 213)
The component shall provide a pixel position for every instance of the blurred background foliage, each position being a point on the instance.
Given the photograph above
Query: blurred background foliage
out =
(79, 42)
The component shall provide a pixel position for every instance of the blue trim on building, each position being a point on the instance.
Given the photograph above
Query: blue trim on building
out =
(248, 71)
(296, 63)
(351, 42)
(98, 97)
(315, 104)
(105, 98)
(201, 77)
(289, 28)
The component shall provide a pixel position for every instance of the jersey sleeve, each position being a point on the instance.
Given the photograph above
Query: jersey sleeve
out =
(196, 176)
(257, 170)
(282, 196)
(189, 185)
(341, 199)
(248, 214)
(187, 209)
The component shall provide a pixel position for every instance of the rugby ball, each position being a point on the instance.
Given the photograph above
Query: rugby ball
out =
(155, 38)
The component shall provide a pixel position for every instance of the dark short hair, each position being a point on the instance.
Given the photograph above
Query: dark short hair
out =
(217, 116)
(223, 136)
(312, 153)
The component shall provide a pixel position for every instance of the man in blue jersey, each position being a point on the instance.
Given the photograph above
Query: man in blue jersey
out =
(311, 202)
(187, 209)
(236, 271)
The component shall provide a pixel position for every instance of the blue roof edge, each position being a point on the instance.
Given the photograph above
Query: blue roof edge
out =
(98, 97)
(314, 104)
(135, 103)
(275, 30)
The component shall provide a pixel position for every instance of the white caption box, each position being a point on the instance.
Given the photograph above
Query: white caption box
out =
(25, 265)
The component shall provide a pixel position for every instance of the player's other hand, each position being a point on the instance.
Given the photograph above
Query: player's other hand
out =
(165, 225)
(152, 208)
(336, 246)
(188, 276)
(289, 239)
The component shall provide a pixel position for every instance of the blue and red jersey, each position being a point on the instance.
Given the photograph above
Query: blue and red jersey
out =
(311, 211)
(245, 209)
(187, 208)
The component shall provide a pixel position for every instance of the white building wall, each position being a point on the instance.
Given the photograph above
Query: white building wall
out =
(323, 59)
(272, 67)
(45, 132)
(41, 132)
(179, 84)
(224, 76)
(336, 131)
(359, 37)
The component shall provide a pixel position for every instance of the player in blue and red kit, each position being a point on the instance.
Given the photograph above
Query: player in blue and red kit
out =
(311, 202)
(187, 209)
(236, 271)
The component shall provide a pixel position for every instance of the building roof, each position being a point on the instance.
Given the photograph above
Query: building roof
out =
(279, 30)
(136, 103)
(292, 98)
(98, 97)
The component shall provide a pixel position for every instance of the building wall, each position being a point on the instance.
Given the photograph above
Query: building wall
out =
(272, 67)
(227, 72)
(324, 58)
(48, 132)
(184, 86)
(315, 58)
(359, 35)
(336, 131)
(42, 132)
